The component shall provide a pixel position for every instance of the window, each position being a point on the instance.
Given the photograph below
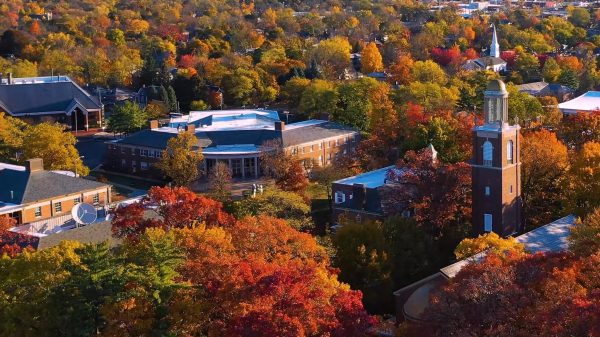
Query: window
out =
(488, 151)
(510, 190)
(303, 150)
(58, 207)
(487, 222)
(509, 152)
(487, 190)
(340, 197)
(96, 198)
(320, 160)
(157, 153)
(337, 142)
(123, 163)
(144, 153)
(76, 200)
(143, 165)
(312, 148)
(38, 212)
(320, 146)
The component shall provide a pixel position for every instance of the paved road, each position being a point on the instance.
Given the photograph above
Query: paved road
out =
(93, 150)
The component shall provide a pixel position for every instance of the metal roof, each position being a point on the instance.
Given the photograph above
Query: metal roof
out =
(30, 97)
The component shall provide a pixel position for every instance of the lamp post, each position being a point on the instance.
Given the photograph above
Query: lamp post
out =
(80, 157)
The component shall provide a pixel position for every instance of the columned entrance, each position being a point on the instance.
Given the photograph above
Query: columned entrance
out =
(239, 167)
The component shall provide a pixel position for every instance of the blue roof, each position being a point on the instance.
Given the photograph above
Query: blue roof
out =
(371, 179)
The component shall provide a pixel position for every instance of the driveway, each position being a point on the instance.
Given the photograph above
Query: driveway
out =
(93, 150)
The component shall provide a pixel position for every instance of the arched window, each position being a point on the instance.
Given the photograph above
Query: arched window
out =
(488, 152)
(509, 151)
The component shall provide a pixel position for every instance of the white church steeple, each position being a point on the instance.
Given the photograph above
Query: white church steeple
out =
(495, 47)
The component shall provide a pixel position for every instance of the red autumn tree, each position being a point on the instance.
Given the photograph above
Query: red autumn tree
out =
(12, 243)
(445, 57)
(166, 207)
(438, 194)
(581, 128)
(519, 295)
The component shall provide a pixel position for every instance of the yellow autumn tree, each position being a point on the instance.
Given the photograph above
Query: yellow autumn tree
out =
(489, 242)
(371, 59)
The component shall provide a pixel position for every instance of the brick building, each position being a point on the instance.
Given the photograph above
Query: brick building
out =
(30, 194)
(234, 137)
(496, 167)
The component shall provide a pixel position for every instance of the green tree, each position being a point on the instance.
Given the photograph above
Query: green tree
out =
(363, 258)
(276, 203)
(181, 159)
(116, 36)
(54, 146)
(172, 99)
(127, 118)
(12, 133)
(585, 235)
(569, 78)
(333, 56)
(320, 96)
(551, 70)
(580, 17)
(355, 107)
(428, 71)
(431, 96)
(522, 105)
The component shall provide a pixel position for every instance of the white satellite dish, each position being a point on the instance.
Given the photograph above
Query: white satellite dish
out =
(84, 214)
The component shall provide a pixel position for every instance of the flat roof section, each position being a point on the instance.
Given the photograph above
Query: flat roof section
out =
(590, 101)
(371, 179)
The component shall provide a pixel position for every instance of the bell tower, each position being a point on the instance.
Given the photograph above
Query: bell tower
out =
(496, 167)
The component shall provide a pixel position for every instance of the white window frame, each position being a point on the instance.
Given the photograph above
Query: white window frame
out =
(340, 197)
(487, 191)
(96, 198)
(488, 153)
(77, 200)
(58, 207)
(510, 152)
(487, 223)
(37, 212)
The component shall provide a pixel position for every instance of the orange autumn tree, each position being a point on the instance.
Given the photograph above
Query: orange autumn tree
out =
(371, 59)
(545, 162)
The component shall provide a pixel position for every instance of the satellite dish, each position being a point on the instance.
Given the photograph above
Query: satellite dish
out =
(84, 214)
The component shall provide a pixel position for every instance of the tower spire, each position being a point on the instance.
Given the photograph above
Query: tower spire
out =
(494, 47)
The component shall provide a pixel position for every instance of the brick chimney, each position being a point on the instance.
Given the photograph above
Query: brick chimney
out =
(34, 165)
(153, 124)
(190, 128)
(279, 126)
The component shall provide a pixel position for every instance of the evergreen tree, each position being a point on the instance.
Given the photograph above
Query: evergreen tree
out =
(569, 78)
(172, 99)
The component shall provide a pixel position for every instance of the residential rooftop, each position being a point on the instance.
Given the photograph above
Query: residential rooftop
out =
(371, 179)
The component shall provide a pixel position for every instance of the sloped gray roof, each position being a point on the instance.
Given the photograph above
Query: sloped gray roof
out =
(32, 98)
(29, 187)
(489, 61)
(315, 132)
